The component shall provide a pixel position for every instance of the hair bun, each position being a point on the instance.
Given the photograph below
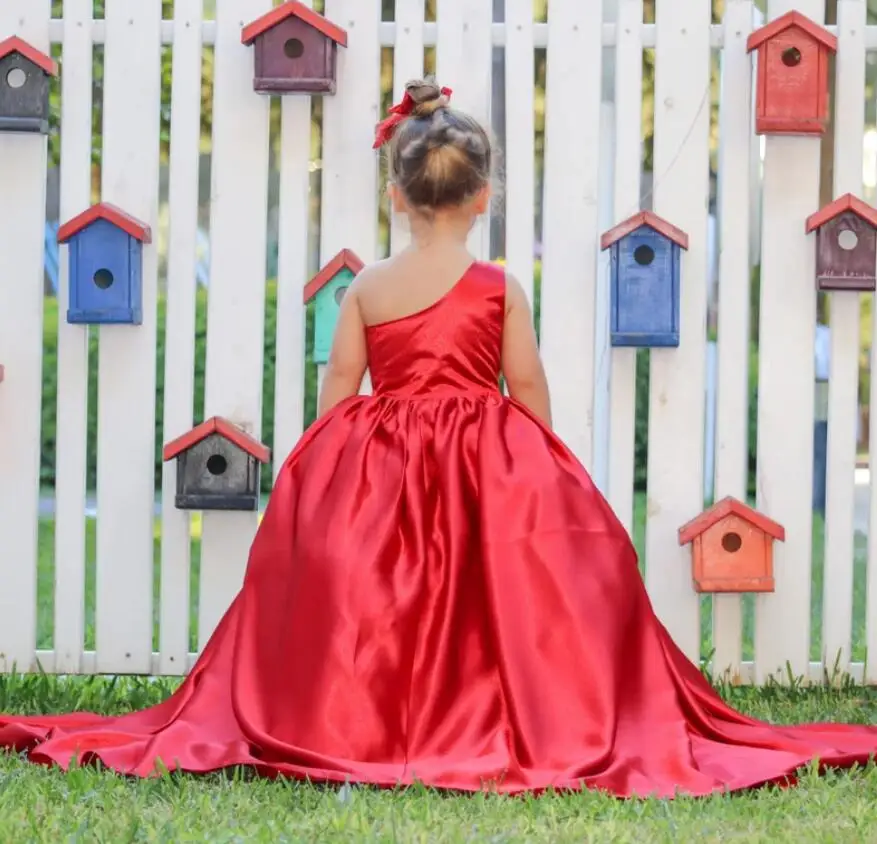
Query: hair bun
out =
(427, 96)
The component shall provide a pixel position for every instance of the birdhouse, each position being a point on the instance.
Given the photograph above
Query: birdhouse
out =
(217, 467)
(296, 50)
(106, 265)
(846, 245)
(792, 88)
(644, 295)
(25, 73)
(732, 548)
(328, 287)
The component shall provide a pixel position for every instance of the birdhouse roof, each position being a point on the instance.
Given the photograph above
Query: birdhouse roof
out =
(847, 202)
(637, 221)
(345, 259)
(110, 213)
(729, 507)
(293, 8)
(17, 45)
(786, 21)
(226, 429)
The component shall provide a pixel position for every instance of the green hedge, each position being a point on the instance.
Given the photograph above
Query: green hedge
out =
(50, 383)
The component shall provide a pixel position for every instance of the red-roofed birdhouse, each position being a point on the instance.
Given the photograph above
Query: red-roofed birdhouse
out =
(846, 245)
(296, 50)
(792, 91)
(25, 73)
(328, 287)
(106, 265)
(732, 548)
(217, 467)
(645, 272)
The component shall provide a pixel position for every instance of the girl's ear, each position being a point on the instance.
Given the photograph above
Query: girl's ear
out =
(481, 201)
(397, 200)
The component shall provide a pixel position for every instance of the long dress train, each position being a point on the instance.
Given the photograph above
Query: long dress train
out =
(438, 593)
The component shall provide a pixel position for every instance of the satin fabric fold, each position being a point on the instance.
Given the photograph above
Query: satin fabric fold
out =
(437, 593)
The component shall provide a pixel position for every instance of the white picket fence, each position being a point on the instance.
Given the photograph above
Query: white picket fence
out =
(592, 179)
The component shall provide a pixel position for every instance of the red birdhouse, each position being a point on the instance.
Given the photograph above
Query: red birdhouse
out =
(792, 91)
(732, 548)
(846, 245)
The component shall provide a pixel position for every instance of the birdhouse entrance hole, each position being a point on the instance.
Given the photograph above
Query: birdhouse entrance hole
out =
(847, 239)
(16, 78)
(644, 255)
(791, 57)
(103, 279)
(216, 464)
(732, 542)
(339, 294)
(293, 48)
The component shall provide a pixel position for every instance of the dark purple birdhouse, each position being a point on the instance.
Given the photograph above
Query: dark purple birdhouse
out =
(217, 467)
(296, 50)
(24, 87)
(846, 245)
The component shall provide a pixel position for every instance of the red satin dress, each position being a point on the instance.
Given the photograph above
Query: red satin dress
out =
(439, 594)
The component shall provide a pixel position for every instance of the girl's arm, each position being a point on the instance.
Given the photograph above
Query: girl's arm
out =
(348, 359)
(521, 364)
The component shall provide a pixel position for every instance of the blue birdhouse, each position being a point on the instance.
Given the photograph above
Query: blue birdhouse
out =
(644, 298)
(327, 288)
(106, 266)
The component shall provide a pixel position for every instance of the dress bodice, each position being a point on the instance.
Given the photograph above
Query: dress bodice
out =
(453, 346)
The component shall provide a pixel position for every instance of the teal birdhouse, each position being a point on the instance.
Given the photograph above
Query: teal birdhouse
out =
(327, 289)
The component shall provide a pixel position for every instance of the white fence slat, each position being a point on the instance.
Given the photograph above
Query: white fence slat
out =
(520, 162)
(570, 221)
(407, 64)
(677, 376)
(350, 175)
(785, 388)
(72, 412)
(292, 275)
(628, 166)
(179, 360)
(126, 366)
(236, 301)
(464, 63)
(22, 205)
(843, 404)
(350, 166)
(732, 398)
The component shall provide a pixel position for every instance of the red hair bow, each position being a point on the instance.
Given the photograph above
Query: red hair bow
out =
(385, 130)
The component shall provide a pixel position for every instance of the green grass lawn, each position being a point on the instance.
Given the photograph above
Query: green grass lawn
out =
(89, 805)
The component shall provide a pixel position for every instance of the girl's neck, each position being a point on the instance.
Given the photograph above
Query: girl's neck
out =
(441, 231)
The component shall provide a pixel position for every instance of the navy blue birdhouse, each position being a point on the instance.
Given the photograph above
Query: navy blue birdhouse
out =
(25, 74)
(106, 266)
(644, 299)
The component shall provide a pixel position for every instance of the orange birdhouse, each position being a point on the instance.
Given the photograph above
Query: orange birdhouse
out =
(732, 548)
(792, 93)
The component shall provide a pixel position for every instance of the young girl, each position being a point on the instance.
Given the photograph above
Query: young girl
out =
(437, 592)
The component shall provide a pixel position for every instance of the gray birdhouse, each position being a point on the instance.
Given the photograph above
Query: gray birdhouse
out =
(25, 74)
(217, 467)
